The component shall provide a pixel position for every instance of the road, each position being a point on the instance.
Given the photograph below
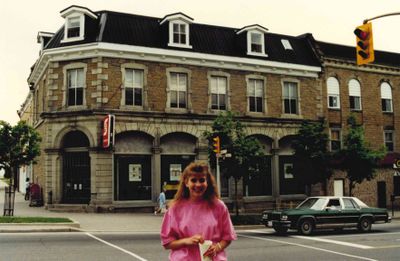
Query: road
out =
(383, 243)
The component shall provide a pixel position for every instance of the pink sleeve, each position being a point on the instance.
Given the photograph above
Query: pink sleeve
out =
(228, 232)
(168, 228)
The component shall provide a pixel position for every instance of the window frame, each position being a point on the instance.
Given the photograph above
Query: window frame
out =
(298, 112)
(137, 67)
(386, 96)
(66, 68)
(250, 43)
(188, 107)
(171, 34)
(355, 99)
(216, 74)
(333, 92)
(331, 140)
(81, 35)
(386, 142)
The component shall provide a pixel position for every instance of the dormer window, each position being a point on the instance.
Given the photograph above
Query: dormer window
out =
(179, 29)
(179, 33)
(255, 39)
(257, 43)
(74, 28)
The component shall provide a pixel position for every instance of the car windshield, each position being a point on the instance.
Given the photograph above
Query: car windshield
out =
(360, 203)
(313, 203)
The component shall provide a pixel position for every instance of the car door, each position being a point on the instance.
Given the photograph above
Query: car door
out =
(331, 216)
(351, 211)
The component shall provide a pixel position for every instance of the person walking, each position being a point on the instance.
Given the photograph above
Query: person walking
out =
(194, 215)
(162, 203)
(27, 189)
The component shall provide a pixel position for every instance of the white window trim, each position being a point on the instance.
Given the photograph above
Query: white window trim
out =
(264, 101)
(340, 137)
(134, 66)
(331, 94)
(359, 90)
(387, 97)
(393, 139)
(211, 74)
(249, 52)
(65, 86)
(171, 34)
(81, 28)
(188, 94)
(288, 115)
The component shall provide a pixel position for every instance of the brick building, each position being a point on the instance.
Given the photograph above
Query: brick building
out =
(165, 80)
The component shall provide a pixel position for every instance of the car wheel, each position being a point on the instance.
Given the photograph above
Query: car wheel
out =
(280, 229)
(306, 227)
(365, 224)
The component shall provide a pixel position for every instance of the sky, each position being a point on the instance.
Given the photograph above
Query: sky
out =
(329, 21)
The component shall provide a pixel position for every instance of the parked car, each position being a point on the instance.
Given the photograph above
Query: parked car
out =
(325, 212)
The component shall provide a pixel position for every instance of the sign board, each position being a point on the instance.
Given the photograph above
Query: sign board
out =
(108, 131)
(396, 164)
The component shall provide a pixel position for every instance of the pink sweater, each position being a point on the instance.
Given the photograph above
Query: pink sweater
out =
(186, 219)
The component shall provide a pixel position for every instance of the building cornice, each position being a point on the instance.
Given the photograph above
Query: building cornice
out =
(92, 50)
(351, 65)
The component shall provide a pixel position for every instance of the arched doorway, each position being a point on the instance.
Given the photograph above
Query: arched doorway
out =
(132, 166)
(76, 168)
(178, 150)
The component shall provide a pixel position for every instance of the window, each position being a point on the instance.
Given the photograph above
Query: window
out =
(386, 96)
(336, 141)
(286, 44)
(255, 94)
(179, 33)
(256, 43)
(75, 85)
(290, 98)
(218, 92)
(73, 27)
(355, 95)
(333, 93)
(178, 90)
(349, 204)
(133, 84)
(389, 142)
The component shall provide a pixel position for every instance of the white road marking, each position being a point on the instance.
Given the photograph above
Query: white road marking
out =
(310, 247)
(334, 242)
(117, 247)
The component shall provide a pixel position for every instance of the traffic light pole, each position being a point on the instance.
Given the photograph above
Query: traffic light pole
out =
(379, 16)
(218, 175)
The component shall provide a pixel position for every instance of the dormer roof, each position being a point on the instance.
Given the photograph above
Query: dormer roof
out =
(177, 16)
(77, 9)
(252, 27)
(44, 36)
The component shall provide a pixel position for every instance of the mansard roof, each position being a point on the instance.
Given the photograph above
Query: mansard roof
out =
(342, 52)
(144, 31)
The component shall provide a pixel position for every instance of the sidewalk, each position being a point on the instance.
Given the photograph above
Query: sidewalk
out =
(90, 222)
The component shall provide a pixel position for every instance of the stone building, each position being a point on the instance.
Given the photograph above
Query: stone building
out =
(165, 80)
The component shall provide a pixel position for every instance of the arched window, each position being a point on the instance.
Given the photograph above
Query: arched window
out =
(386, 96)
(333, 93)
(355, 95)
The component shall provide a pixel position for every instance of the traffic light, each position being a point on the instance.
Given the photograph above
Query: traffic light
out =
(216, 145)
(365, 47)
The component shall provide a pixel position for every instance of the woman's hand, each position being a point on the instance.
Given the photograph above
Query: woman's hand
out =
(194, 240)
(213, 250)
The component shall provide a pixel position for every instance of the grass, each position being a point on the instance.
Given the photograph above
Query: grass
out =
(34, 220)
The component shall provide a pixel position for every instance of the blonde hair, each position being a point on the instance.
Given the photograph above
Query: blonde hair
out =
(194, 168)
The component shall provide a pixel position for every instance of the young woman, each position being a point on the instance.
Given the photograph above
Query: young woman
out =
(196, 214)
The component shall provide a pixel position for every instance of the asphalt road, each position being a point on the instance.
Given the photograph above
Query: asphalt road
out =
(383, 243)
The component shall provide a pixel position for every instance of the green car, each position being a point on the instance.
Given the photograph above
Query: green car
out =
(325, 212)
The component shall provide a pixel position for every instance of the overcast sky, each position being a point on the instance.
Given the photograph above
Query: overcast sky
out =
(330, 21)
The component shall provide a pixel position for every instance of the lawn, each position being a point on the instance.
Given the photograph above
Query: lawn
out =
(34, 220)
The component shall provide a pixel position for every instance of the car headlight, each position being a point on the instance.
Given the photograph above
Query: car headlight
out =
(284, 217)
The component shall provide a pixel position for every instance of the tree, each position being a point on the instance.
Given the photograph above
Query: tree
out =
(245, 151)
(356, 158)
(311, 156)
(19, 145)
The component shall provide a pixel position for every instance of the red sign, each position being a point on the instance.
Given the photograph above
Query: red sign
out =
(108, 131)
